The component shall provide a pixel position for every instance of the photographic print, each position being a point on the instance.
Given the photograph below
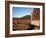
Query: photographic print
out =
(24, 18)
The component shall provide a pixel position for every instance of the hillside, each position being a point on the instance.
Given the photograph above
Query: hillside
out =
(27, 16)
(24, 17)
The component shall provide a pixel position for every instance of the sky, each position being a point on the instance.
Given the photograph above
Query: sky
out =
(21, 11)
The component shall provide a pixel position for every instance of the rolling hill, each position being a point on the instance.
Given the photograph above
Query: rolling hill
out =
(24, 17)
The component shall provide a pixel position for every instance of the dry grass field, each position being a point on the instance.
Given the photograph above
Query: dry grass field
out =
(23, 24)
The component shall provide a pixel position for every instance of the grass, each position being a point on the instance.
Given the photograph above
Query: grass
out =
(25, 25)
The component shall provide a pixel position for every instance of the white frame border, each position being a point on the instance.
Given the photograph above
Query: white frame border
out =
(27, 31)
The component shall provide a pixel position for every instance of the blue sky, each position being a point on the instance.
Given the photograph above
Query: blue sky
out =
(21, 11)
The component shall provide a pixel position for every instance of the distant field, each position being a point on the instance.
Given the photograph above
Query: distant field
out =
(23, 26)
